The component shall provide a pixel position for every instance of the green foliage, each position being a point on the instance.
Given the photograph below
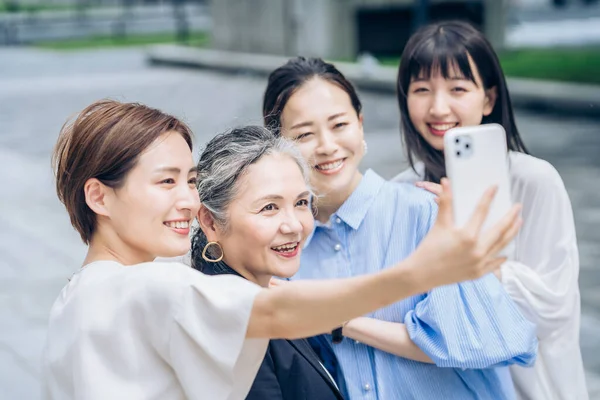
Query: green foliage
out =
(575, 64)
(195, 39)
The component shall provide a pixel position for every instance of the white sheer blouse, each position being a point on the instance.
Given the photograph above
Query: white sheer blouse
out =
(542, 279)
(151, 331)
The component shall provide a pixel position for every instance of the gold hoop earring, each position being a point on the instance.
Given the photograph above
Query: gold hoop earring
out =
(207, 247)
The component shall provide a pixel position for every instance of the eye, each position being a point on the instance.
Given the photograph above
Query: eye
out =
(269, 207)
(303, 136)
(302, 203)
(168, 181)
(193, 181)
(340, 125)
(420, 90)
(459, 89)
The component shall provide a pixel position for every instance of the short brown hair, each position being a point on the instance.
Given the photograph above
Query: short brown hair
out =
(104, 142)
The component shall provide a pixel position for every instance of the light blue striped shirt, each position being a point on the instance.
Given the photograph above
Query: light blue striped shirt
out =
(472, 330)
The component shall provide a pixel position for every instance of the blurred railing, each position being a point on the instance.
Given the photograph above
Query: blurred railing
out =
(33, 27)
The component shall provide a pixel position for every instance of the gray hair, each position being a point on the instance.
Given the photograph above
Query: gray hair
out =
(224, 160)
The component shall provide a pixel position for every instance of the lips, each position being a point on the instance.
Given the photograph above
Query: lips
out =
(330, 167)
(181, 227)
(440, 129)
(287, 250)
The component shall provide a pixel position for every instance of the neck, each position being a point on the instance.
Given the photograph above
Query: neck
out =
(105, 246)
(331, 201)
(223, 268)
(259, 279)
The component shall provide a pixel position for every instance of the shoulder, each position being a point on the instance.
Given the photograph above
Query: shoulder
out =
(177, 276)
(174, 290)
(156, 285)
(408, 195)
(162, 282)
(402, 204)
(531, 173)
(161, 273)
(411, 175)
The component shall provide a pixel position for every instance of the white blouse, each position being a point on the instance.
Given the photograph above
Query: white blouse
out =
(151, 331)
(542, 279)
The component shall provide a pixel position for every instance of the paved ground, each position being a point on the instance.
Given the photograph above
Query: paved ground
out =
(38, 90)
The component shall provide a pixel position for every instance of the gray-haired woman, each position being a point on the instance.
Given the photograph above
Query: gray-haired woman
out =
(254, 219)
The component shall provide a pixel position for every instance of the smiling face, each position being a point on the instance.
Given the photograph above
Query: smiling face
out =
(319, 116)
(269, 220)
(436, 104)
(150, 215)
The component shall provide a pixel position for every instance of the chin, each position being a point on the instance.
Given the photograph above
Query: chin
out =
(436, 142)
(285, 271)
(174, 252)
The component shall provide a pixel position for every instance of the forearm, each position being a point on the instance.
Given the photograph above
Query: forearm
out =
(446, 255)
(391, 337)
(305, 308)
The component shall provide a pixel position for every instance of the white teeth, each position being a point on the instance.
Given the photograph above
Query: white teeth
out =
(442, 127)
(331, 165)
(286, 247)
(178, 224)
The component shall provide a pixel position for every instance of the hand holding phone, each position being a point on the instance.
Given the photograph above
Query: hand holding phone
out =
(476, 159)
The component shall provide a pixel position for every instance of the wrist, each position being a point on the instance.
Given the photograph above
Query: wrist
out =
(337, 335)
(412, 275)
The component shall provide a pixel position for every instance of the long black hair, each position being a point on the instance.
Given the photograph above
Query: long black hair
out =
(438, 47)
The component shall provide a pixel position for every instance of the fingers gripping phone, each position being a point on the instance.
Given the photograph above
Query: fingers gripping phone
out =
(476, 158)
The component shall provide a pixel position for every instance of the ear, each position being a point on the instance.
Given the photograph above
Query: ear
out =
(96, 196)
(360, 125)
(208, 225)
(491, 95)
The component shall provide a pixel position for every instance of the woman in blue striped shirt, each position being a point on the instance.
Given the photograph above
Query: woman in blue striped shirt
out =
(453, 342)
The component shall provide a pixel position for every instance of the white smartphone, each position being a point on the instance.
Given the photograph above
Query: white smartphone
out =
(476, 159)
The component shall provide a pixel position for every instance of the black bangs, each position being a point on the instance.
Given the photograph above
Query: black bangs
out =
(438, 54)
(446, 48)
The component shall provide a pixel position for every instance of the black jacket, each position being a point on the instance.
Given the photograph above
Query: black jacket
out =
(291, 370)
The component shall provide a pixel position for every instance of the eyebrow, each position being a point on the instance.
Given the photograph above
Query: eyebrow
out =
(278, 197)
(174, 170)
(451, 78)
(308, 123)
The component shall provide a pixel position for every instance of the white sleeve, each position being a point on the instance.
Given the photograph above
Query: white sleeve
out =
(207, 339)
(543, 277)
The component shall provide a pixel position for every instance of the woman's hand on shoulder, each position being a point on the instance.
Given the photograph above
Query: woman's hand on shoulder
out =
(434, 188)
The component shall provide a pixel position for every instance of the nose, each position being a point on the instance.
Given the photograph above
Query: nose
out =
(439, 107)
(188, 199)
(291, 224)
(327, 144)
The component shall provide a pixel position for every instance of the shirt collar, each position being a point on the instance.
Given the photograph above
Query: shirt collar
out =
(355, 208)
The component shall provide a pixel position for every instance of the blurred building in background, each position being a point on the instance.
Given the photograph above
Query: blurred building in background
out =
(341, 29)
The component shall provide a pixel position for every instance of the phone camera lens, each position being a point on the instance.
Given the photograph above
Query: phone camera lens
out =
(467, 145)
(458, 153)
(457, 140)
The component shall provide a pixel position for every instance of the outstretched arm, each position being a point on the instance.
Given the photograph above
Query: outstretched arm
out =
(446, 255)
